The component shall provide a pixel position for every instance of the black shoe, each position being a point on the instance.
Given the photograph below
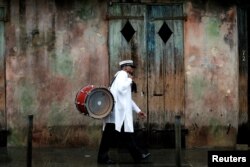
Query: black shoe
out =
(107, 162)
(142, 158)
(145, 156)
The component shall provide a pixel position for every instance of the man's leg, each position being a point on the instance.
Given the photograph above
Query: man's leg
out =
(108, 139)
(133, 148)
(130, 144)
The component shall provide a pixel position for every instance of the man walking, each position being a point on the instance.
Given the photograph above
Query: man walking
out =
(120, 121)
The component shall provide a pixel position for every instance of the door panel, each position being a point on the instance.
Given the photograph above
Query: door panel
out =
(120, 48)
(166, 88)
(157, 49)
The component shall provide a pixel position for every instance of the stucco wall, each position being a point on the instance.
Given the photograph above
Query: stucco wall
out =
(53, 49)
(211, 65)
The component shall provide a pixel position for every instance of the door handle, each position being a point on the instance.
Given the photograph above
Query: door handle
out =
(158, 94)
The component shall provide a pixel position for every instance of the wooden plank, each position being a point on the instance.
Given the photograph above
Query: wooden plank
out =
(170, 87)
(179, 61)
(156, 64)
(166, 78)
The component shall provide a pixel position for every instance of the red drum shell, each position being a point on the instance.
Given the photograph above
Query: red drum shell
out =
(96, 102)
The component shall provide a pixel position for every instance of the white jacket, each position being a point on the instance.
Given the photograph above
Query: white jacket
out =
(124, 105)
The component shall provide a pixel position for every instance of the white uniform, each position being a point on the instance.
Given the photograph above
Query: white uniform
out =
(124, 105)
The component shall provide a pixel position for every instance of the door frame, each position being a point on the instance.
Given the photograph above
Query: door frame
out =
(243, 22)
(146, 19)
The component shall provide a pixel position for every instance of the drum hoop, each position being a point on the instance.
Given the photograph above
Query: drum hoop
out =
(87, 102)
(83, 104)
(76, 102)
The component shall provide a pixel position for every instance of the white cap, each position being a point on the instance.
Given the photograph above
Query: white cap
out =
(127, 63)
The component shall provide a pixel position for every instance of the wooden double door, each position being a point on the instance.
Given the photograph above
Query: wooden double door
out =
(152, 36)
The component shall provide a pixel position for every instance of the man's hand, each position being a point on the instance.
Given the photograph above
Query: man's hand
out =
(130, 76)
(142, 115)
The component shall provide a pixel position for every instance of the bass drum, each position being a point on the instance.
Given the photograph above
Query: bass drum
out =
(96, 102)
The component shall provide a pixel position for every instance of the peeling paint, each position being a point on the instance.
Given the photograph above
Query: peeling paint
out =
(198, 87)
(211, 62)
(62, 64)
(213, 28)
(55, 115)
(87, 12)
(27, 95)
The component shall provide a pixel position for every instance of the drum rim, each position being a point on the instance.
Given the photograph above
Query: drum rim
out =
(77, 103)
(87, 102)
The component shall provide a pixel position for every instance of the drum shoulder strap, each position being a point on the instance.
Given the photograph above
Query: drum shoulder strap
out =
(113, 79)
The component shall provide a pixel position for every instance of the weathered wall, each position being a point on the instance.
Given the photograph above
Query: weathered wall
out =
(211, 62)
(53, 49)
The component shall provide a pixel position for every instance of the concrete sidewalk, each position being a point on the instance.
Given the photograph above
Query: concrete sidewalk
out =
(81, 157)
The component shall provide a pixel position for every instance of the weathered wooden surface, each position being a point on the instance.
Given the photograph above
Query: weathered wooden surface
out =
(120, 49)
(159, 74)
(165, 66)
(53, 48)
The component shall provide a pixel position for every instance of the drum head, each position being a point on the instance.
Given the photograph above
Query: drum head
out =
(99, 103)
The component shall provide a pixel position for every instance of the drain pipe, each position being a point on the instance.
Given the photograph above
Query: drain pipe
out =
(29, 143)
(178, 140)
